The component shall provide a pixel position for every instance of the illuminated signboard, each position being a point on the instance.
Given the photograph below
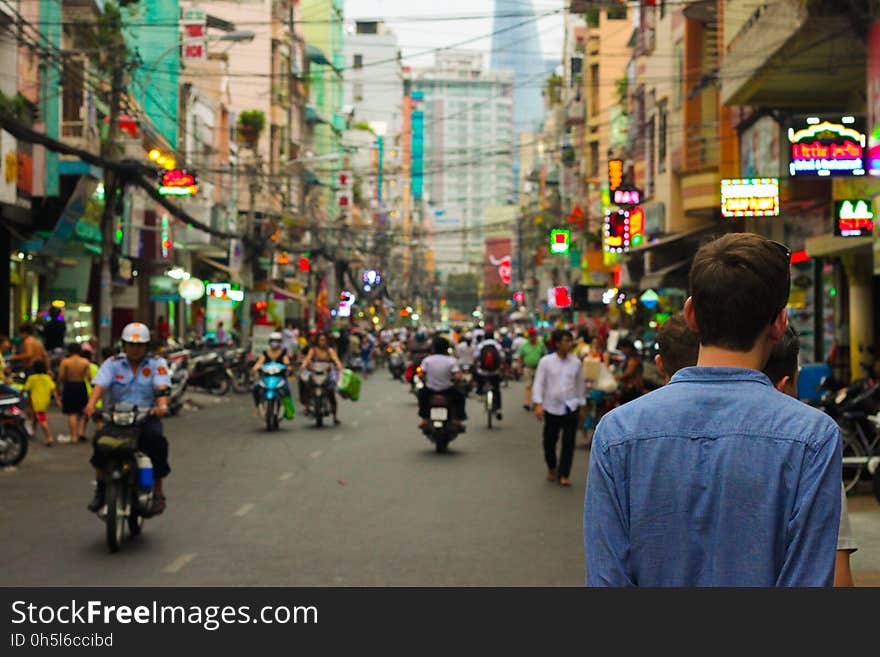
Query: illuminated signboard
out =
(627, 195)
(560, 241)
(624, 229)
(178, 182)
(559, 297)
(615, 174)
(827, 147)
(750, 197)
(853, 218)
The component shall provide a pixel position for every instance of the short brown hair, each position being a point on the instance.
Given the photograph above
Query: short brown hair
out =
(739, 284)
(679, 346)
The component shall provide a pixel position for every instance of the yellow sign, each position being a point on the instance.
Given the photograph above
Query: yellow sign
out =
(11, 167)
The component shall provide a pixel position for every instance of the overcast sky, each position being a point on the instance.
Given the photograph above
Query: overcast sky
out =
(416, 36)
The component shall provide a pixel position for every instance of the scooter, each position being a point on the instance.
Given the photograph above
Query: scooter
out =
(319, 391)
(396, 362)
(209, 372)
(272, 389)
(128, 474)
(442, 428)
(13, 434)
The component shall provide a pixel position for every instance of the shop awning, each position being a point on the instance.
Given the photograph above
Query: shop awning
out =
(673, 276)
(831, 244)
(663, 241)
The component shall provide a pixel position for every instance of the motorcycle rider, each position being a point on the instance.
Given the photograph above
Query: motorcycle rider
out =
(441, 374)
(419, 346)
(491, 376)
(276, 353)
(322, 352)
(140, 378)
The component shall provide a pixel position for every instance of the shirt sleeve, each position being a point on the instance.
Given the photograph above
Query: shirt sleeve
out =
(813, 527)
(580, 387)
(161, 377)
(606, 539)
(104, 377)
(538, 383)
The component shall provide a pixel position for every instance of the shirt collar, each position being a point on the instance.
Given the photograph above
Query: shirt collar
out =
(719, 375)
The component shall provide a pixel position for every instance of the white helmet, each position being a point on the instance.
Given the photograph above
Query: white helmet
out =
(504, 330)
(275, 336)
(136, 333)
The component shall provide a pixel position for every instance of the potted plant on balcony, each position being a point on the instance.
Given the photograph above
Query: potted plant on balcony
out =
(250, 126)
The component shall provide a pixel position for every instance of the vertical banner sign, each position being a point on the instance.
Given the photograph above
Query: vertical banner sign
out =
(873, 105)
(418, 146)
(497, 272)
(194, 22)
(615, 174)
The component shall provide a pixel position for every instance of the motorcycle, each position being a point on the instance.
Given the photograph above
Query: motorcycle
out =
(209, 371)
(239, 363)
(13, 434)
(319, 391)
(442, 428)
(128, 475)
(396, 362)
(272, 389)
(179, 374)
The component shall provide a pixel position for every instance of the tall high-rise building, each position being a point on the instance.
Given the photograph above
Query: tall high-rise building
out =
(516, 47)
(465, 115)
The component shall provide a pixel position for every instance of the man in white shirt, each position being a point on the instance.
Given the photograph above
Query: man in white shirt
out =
(558, 394)
(441, 373)
(491, 376)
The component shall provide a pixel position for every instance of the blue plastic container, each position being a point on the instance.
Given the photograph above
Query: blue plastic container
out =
(145, 471)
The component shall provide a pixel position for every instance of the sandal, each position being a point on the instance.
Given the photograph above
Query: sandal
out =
(551, 475)
(564, 481)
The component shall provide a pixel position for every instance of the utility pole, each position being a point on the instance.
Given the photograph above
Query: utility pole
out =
(108, 229)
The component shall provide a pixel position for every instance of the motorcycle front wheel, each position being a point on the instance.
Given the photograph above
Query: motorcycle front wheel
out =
(271, 419)
(241, 383)
(115, 516)
(13, 446)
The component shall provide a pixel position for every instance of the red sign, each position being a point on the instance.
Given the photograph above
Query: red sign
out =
(497, 272)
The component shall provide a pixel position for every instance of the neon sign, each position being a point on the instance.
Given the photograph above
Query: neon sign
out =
(750, 197)
(827, 148)
(615, 174)
(854, 218)
(560, 241)
(626, 195)
(624, 229)
(178, 182)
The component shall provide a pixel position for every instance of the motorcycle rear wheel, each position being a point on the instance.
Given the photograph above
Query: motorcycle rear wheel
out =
(221, 387)
(115, 523)
(490, 399)
(16, 446)
(441, 444)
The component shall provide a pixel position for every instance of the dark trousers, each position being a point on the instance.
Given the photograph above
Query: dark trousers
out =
(151, 442)
(493, 380)
(452, 393)
(568, 424)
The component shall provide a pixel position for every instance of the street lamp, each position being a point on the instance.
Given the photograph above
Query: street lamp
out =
(236, 36)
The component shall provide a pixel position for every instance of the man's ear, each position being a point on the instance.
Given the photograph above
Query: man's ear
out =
(658, 361)
(780, 385)
(777, 328)
(690, 316)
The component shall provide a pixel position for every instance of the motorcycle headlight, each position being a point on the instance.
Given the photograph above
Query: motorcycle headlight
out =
(123, 418)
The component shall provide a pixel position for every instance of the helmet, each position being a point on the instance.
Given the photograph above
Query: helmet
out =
(275, 335)
(533, 330)
(136, 333)
(504, 330)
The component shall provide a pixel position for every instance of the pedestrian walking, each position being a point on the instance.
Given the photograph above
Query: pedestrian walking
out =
(714, 479)
(632, 384)
(41, 389)
(558, 394)
(531, 353)
(73, 373)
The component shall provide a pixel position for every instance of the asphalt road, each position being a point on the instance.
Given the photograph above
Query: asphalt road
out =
(366, 503)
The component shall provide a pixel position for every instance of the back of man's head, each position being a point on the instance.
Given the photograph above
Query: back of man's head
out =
(782, 367)
(739, 284)
(679, 346)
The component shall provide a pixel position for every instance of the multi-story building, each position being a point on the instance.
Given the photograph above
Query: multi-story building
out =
(468, 154)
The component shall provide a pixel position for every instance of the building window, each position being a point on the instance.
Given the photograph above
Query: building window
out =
(358, 92)
(661, 136)
(358, 61)
(594, 160)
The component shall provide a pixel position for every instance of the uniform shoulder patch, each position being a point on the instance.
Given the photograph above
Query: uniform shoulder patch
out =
(147, 371)
(161, 370)
(120, 377)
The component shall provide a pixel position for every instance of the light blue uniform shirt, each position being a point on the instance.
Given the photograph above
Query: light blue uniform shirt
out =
(122, 385)
(716, 479)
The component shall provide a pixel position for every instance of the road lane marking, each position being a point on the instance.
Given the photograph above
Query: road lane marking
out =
(243, 510)
(286, 476)
(316, 454)
(176, 565)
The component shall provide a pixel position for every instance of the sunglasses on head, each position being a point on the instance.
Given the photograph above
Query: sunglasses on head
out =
(784, 249)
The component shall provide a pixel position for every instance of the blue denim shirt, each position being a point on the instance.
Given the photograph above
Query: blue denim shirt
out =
(716, 479)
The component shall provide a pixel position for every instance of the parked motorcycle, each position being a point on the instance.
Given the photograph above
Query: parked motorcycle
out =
(13, 435)
(442, 428)
(239, 363)
(319, 391)
(272, 389)
(128, 475)
(179, 373)
(209, 372)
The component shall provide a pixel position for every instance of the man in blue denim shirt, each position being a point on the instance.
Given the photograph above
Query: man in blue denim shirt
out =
(716, 479)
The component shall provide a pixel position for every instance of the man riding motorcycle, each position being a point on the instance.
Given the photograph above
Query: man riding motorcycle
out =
(142, 379)
(441, 374)
(419, 346)
(274, 354)
(486, 373)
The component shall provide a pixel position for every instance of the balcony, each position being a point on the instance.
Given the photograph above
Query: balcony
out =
(782, 56)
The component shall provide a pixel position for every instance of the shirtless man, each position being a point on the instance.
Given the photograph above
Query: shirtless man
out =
(73, 373)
